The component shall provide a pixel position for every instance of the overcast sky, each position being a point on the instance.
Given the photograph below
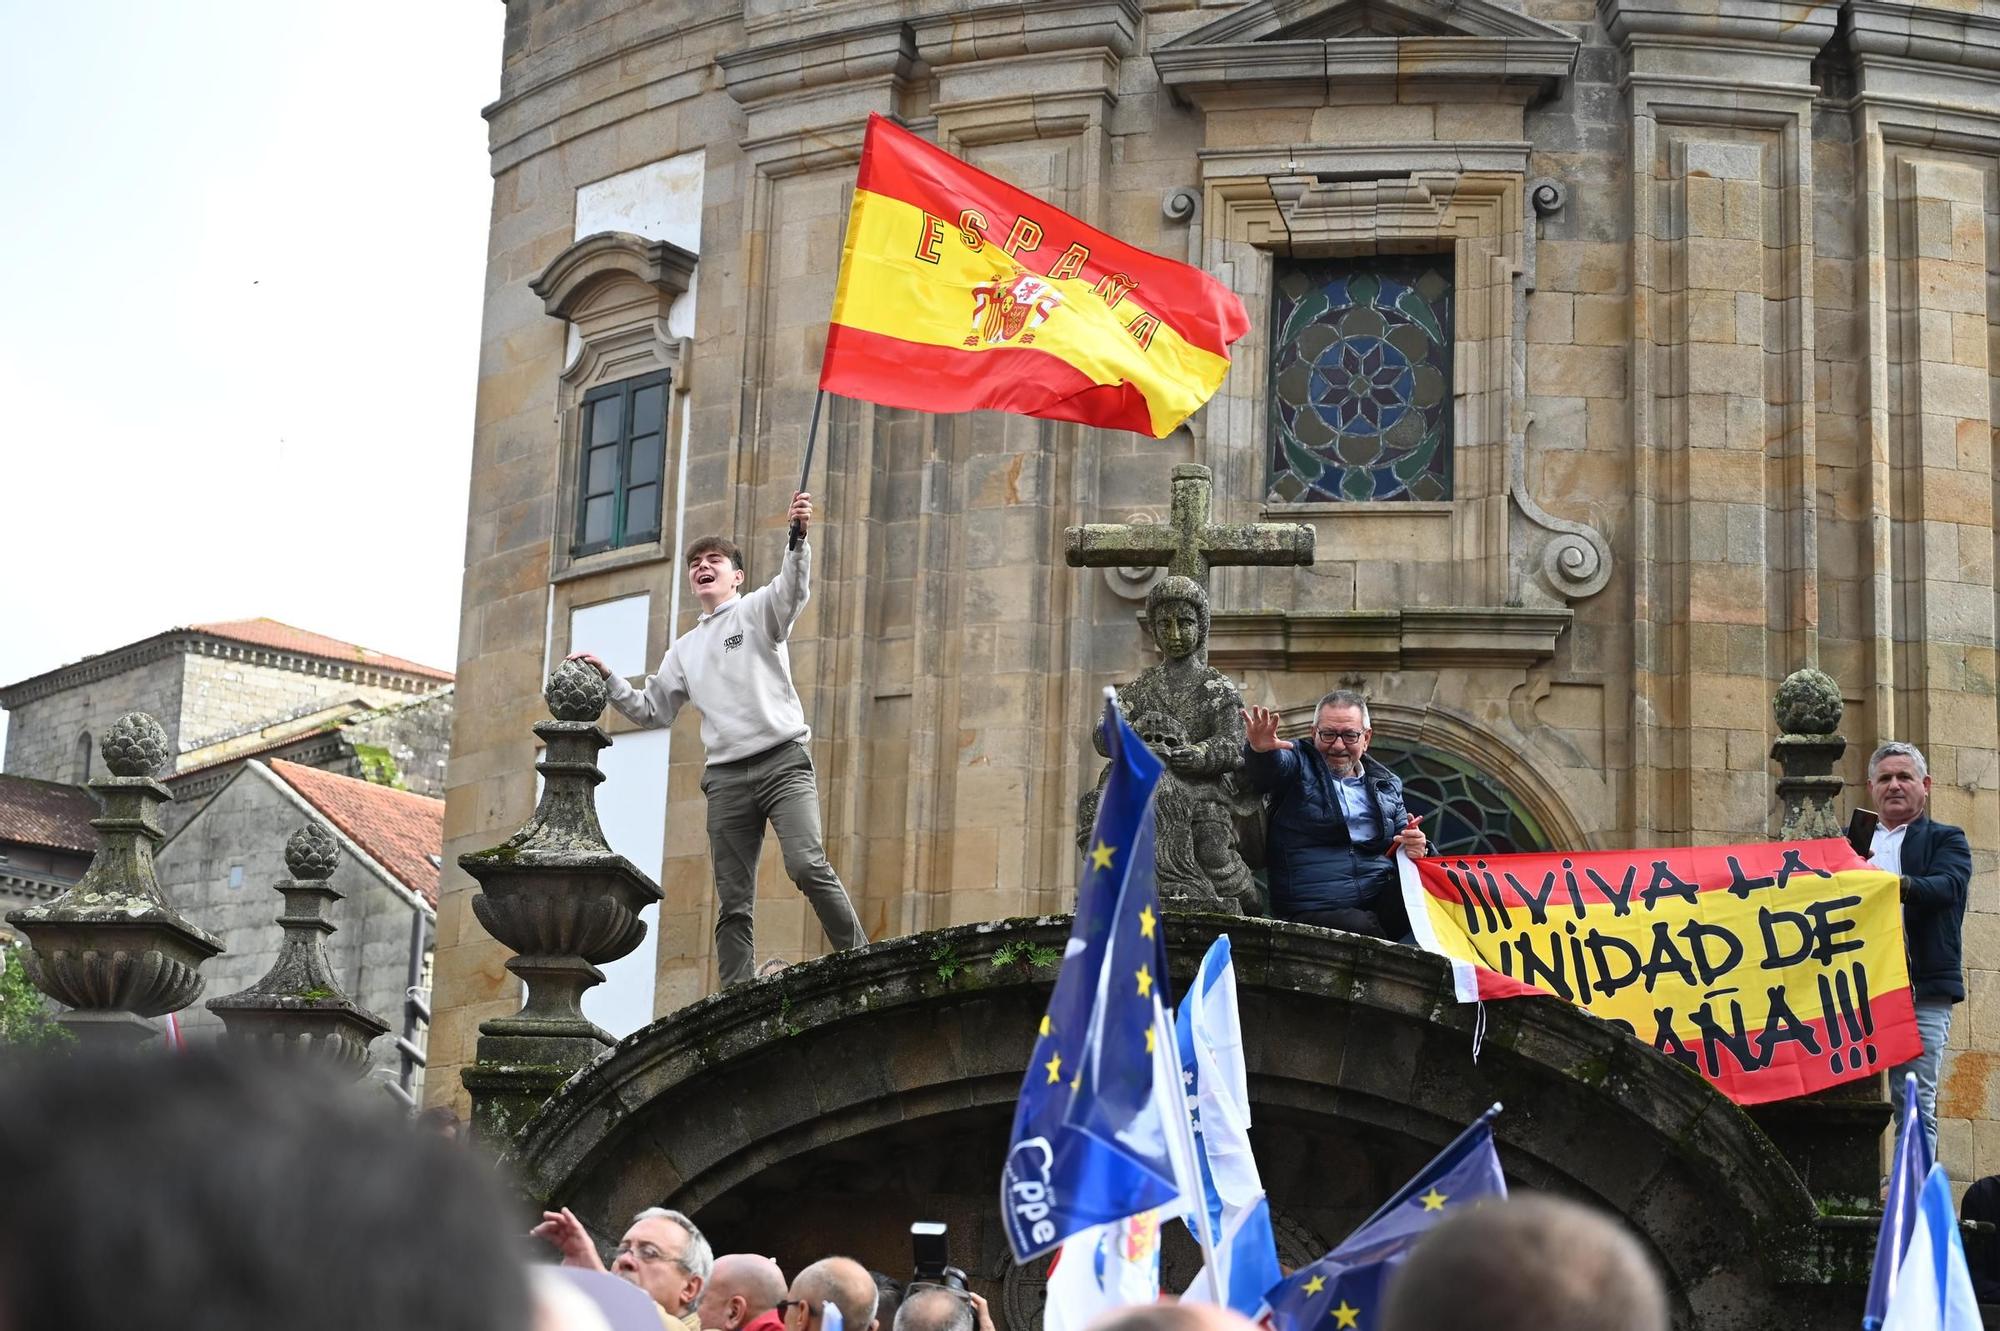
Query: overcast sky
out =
(241, 246)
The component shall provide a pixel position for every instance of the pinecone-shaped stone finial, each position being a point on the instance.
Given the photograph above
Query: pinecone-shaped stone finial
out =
(576, 692)
(135, 745)
(1808, 703)
(312, 853)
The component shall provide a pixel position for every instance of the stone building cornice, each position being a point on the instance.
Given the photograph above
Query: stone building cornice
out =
(1777, 23)
(192, 642)
(576, 274)
(1274, 44)
(1413, 638)
(1920, 32)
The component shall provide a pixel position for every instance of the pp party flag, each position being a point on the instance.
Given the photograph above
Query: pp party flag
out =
(1899, 1209)
(959, 292)
(1208, 1032)
(1100, 1131)
(1344, 1289)
(1934, 1289)
(1774, 969)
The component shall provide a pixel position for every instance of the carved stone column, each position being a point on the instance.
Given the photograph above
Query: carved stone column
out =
(564, 902)
(1831, 1137)
(298, 1006)
(110, 948)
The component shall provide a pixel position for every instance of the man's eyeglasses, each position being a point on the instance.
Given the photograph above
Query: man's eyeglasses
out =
(1339, 736)
(646, 1253)
(784, 1306)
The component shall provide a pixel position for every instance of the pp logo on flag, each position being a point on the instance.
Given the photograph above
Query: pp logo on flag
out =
(1030, 1200)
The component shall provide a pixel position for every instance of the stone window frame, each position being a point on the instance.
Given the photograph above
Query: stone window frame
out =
(1476, 215)
(614, 290)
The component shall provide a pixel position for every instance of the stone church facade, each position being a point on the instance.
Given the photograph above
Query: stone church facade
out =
(1624, 357)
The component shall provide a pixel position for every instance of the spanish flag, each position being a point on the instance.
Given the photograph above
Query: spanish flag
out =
(959, 292)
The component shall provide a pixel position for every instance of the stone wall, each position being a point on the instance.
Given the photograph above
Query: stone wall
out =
(42, 735)
(1724, 406)
(223, 696)
(405, 745)
(220, 871)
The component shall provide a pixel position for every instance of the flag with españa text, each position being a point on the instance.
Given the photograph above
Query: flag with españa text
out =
(959, 292)
(1774, 969)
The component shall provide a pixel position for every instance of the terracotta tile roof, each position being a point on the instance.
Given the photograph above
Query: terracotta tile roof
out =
(46, 813)
(400, 830)
(284, 638)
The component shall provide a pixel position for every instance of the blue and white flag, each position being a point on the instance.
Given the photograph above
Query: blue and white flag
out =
(1101, 1131)
(1934, 1288)
(1899, 1208)
(1209, 1036)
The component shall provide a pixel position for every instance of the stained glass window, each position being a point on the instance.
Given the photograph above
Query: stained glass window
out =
(1464, 811)
(1361, 378)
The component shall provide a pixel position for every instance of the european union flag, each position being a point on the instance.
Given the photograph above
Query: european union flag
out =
(1345, 1287)
(1090, 1143)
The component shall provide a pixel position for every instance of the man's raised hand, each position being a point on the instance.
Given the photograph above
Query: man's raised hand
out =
(592, 662)
(1261, 727)
(562, 1230)
(802, 511)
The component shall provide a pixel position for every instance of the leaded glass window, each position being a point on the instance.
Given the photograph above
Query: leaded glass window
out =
(1465, 812)
(623, 454)
(1361, 378)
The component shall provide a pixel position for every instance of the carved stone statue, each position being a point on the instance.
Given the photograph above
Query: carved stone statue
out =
(1189, 714)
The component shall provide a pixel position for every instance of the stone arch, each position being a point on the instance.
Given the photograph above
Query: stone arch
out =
(82, 759)
(824, 1108)
(1505, 764)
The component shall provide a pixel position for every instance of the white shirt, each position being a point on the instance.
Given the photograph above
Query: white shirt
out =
(1885, 852)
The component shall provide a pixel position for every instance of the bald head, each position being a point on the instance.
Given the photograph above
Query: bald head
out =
(1537, 1262)
(741, 1288)
(844, 1281)
(1172, 1317)
(933, 1309)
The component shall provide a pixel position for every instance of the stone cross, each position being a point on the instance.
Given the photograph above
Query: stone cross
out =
(1188, 543)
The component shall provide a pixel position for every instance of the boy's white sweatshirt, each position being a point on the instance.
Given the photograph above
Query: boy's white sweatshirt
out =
(734, 666)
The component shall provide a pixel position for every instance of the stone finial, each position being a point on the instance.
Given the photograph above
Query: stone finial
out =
(576, 692)
(312, 853)
(135, 745)
(298, 1006)
(110, 948)
(1808, 703)
(557, 896)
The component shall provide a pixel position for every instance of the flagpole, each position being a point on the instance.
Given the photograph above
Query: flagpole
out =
(805, 468)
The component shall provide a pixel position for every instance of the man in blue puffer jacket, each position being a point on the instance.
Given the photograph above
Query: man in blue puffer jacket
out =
(1336, 818)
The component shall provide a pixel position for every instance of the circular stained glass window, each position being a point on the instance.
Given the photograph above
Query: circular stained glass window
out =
(1465, 812)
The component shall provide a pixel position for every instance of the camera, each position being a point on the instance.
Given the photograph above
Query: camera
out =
(930, 1249)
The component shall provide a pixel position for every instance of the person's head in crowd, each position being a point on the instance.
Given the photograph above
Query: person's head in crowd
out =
(1900, 782)
(665, 1255)
(843, 1280)
(741, 1288)
(935, 1308)
(1341, 730)
(888, 1297)
(567, 1299)
(1172, 1317)
(1538, 1262)
(441, 1120)
(230, 1193)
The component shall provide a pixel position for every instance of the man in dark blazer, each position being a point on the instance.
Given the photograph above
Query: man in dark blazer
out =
(1935, 864)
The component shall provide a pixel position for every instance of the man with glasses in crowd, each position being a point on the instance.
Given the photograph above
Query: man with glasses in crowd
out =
(840, 1281)
(662, 1253)
(1336, 820)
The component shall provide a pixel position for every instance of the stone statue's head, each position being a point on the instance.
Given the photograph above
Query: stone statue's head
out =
(1177, 610)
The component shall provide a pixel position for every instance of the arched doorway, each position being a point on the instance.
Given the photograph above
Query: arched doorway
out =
(825, 1108)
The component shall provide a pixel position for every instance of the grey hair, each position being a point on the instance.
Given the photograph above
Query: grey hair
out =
(921, 1309)
(1345, 698)
(1896, 748)
(698, 1259)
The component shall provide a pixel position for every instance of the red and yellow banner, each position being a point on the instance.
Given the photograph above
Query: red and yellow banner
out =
(1773, 969)
(959, 292)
